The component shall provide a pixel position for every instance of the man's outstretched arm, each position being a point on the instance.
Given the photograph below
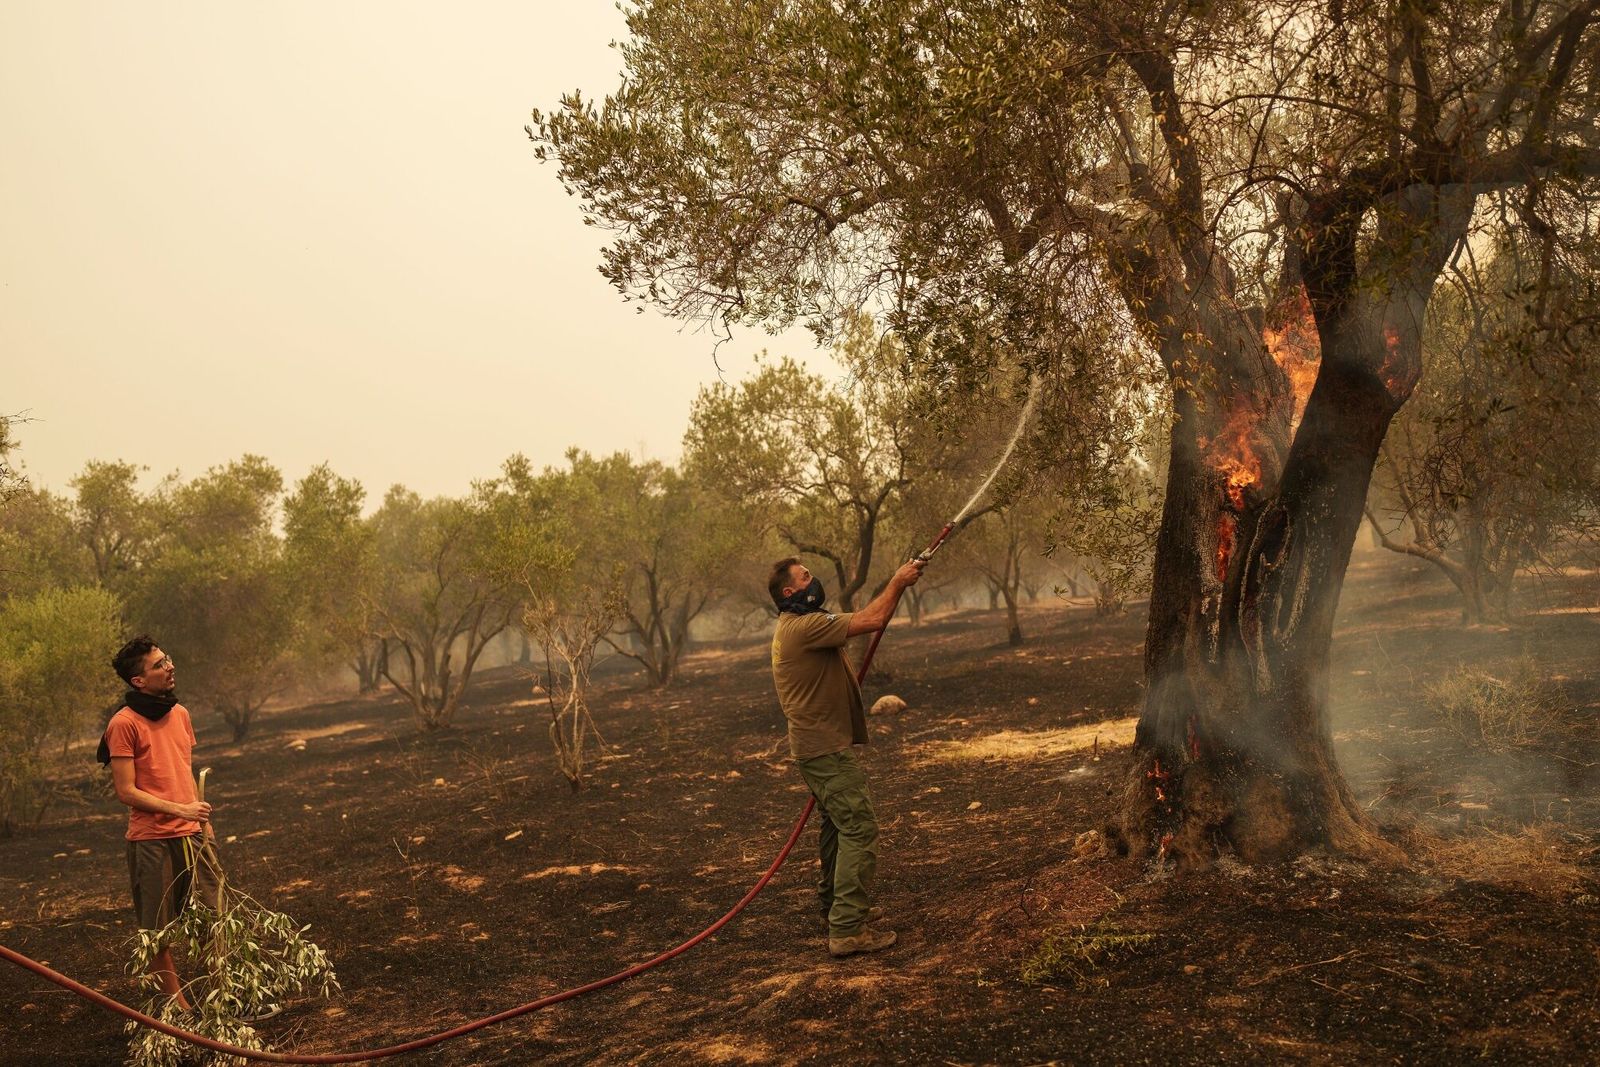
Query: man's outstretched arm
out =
(875, 616)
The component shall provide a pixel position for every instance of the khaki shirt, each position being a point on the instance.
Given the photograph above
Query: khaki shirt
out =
(816, 687)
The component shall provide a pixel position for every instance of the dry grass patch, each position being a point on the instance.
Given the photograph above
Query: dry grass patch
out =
(1505, 710)
(1535, 859)
(1034, 744)
(727, 1050)
(456, 878)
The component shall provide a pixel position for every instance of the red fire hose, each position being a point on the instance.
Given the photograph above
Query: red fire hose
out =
(422, 1042)
(477, 1024)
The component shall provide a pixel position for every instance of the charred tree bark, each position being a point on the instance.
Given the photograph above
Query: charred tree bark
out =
(1233, 747)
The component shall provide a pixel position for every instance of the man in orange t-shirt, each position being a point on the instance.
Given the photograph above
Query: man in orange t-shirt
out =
(148, 744)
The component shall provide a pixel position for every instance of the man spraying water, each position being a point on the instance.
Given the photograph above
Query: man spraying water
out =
(821, 698)
(822, 702)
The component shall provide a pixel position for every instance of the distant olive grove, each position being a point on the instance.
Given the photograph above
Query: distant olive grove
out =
(262, 589)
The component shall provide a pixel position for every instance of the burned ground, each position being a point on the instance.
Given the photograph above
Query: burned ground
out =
(453, 875)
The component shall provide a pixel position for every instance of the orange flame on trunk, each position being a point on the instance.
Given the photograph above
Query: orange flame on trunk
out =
(1232, 455)
(1295, 345)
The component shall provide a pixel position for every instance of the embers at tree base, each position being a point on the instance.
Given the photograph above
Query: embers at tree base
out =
(1189, 809)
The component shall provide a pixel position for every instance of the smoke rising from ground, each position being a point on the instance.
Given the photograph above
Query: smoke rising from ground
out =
(1400, 637)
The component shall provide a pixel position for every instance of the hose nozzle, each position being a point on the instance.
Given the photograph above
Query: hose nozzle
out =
(927, 554)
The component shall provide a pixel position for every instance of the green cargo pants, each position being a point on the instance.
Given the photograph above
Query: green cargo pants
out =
(849, 839)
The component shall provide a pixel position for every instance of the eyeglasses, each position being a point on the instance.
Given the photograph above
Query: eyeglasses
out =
(162, 664)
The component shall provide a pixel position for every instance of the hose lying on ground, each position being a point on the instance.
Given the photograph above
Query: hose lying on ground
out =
(422, 1042)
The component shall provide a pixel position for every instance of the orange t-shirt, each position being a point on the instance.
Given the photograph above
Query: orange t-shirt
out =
(161, 767)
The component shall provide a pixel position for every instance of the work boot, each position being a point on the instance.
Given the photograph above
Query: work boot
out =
(868, 940)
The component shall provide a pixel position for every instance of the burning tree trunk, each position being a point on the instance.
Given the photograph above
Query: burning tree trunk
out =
(1234, 746)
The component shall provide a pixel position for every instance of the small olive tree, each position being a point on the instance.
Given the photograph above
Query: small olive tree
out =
(1491, 467)
(1001, 546)
(332, 554)
(52, 676)
(826, 465)
(674, 543)
(551, 533)
(115, 523)
(569, 622)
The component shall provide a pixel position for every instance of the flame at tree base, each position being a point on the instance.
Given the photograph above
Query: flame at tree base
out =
(1160, 778)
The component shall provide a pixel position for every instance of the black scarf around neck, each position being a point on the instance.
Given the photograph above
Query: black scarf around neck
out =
(153, 706)
(804, 601)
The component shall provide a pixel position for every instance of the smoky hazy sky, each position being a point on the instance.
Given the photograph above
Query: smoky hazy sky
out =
(317, 232)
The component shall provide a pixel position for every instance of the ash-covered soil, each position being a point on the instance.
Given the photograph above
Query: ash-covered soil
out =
(455, 874)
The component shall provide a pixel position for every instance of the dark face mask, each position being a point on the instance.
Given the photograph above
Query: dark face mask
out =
(803, 601)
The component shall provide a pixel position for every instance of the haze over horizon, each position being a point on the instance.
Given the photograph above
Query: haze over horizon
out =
(318, 233)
